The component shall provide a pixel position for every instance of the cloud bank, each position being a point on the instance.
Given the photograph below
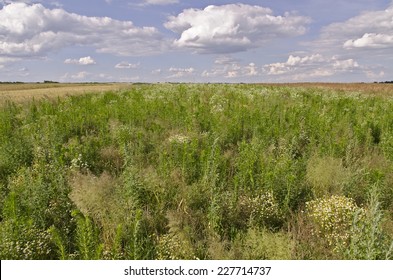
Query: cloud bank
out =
(312, 66)
(369, 30)
(33, 30)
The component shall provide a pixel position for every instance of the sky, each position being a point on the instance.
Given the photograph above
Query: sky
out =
(196, 41)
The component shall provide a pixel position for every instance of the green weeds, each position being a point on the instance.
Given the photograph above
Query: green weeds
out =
(198, 172)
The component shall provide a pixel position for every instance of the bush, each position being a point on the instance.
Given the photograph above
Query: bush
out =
(368, 241)
(254, 244)
(332, 219)
(22, 240)
(327, 176)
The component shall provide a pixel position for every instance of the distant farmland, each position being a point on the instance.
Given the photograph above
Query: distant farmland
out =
(20, 92)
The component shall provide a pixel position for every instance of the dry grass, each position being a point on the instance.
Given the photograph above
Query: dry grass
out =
(326, 175)
(24, 92)
(92, 195)
(95, 198)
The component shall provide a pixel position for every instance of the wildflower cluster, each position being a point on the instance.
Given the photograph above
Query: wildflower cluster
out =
(262, 209)
(179, 138)
(27, 243)
(332, 218)
(174, 247)
(217, 103)
(78, 163)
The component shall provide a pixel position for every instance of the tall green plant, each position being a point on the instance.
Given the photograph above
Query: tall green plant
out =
(367, 238)
(88, 241)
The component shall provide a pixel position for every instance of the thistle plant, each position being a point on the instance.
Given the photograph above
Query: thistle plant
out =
(367, 239)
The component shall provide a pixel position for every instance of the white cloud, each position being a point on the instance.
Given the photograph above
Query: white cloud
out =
(126, 65)
(6, 2)
(180, 72)
(82, 61)
(371, 40)
(48, 2)
(160, 2)
(312, 66)
(251, 69)
(293, 63)
(33, 30)
(232, 28)
(80, 75)
(347, 64)
(228, 67)
(369, 30)
(225, 60)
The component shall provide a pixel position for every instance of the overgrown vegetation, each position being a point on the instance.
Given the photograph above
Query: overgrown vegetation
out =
(198, 172)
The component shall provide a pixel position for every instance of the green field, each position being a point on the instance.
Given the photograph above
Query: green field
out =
(203, 171)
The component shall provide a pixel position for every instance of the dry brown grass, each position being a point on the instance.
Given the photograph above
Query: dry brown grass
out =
(326, 175)
(95, 197)
(20, 93)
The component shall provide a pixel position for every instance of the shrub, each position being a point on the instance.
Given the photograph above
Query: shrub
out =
(367, 238)
(262, 210)
(173, 246)
(326, 176)
(332, 219)
(254, 244)
(22, 240)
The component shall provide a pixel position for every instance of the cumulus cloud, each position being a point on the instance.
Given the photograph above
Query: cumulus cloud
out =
(312, 66)
(126, 65)
(369, 30)
(232, 28)
(251, 69)
(82, 61)
(293, 63)
(371, 40)
(33, 30)
(228, 67)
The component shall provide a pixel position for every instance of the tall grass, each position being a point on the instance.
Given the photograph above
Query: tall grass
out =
(197, 172)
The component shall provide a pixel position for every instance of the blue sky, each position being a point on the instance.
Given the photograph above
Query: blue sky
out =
(196, 41)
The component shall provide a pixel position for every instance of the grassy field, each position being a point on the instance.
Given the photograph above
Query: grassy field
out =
(197, 171)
